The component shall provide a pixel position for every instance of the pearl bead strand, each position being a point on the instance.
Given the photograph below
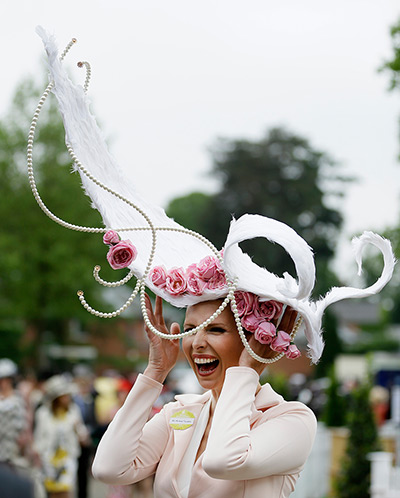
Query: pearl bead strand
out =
(112, 314)
(88, 74)
(123, 281)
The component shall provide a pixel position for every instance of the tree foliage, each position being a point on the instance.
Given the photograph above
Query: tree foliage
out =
(393, 66)
(280, 176)
(334, 412)
(42, 264)
(354, 479)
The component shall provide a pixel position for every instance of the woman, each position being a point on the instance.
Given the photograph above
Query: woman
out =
(58, 434)
(13, 416)
(238, 439)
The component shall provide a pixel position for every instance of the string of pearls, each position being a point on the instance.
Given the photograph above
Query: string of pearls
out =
(140, 284)
(98, 279)
(88, 73)
(112, 314)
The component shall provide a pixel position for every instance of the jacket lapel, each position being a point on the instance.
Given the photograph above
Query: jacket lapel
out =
(192, 404)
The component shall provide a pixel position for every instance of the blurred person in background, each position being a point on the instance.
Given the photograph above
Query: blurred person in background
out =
(13, 415)
(14, 485)
(59, 433)
(15, 438)
(85, 400)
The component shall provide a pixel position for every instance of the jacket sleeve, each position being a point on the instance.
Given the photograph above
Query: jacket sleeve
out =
(131, 447)
(278, 446)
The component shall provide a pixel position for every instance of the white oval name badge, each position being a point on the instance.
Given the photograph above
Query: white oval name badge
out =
(181, 420)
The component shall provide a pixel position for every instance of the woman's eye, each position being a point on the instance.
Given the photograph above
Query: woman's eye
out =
(217, 329)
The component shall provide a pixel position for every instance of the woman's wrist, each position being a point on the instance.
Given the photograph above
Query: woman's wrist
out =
(157, 375)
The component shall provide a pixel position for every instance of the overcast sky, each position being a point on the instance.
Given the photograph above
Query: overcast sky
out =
(169, 77)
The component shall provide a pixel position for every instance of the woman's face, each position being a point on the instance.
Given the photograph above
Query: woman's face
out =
(62, 402)
(214, 348)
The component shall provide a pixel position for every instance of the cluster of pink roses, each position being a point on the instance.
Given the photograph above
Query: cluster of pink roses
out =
(256, 317)
(205, 275)
(121, 252)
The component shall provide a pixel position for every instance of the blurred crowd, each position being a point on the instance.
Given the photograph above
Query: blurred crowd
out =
(50, 426)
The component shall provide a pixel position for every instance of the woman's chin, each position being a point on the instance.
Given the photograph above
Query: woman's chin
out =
(209, 378)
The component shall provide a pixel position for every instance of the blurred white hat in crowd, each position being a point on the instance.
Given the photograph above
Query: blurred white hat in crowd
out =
(57, 386)
(7, 368)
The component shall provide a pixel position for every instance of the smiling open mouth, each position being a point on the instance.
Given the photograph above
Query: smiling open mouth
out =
(206, 367)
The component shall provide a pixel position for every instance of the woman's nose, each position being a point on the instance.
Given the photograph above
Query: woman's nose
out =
(199, 339)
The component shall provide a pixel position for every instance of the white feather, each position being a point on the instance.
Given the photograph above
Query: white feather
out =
(261, 280)
(340, 293)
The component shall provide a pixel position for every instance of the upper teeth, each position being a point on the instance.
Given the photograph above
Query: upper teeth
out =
(203, 360)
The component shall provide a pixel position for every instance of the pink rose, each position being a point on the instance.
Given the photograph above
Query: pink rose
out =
(281, 341)
(265, 332)
(176, 283)
(218, 281)
(292, 352)
(208, 267)
(110, 238)
(245, 302)
(269, 309)
(250, 322)
(195, 285)
(122, 254)
(158, 276)
(192, 268)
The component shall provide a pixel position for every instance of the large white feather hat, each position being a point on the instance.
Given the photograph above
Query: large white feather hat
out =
(161, 242)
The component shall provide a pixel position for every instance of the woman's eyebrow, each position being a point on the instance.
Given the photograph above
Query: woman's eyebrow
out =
(211, 325)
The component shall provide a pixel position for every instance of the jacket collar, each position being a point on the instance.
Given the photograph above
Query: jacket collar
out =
(190, 399)
(265, 398)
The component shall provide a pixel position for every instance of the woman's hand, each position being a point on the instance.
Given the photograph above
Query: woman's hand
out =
(263, 350)
(163, 353)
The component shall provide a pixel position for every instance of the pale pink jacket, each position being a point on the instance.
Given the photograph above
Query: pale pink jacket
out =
(256, 447)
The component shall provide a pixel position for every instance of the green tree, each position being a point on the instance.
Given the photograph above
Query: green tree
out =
(354, 478)
(334, 413)
(280, 176)
(390, 295)
(392, 66)
(42, 264)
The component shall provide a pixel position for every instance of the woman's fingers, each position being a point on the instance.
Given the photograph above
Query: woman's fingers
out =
(158, 312)
(285, 320)
(175, 328)
(288, 320)
(292, 321)
(149, 308)
(156, 317)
